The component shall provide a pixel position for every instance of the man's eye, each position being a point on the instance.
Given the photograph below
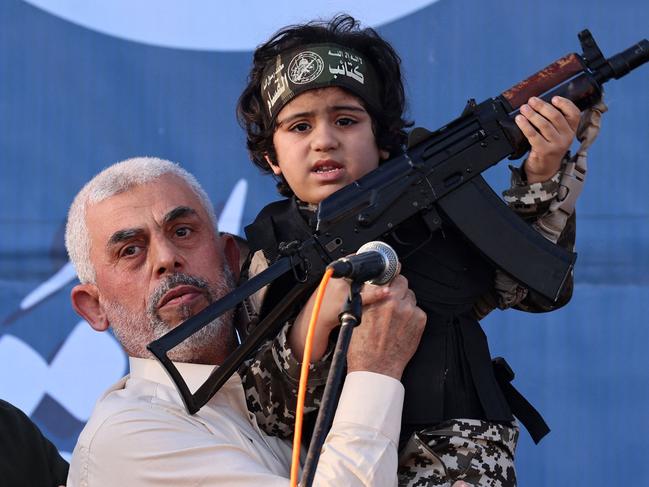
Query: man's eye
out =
(130, 250)
(345, 121)
(300, 127)
(183, 232)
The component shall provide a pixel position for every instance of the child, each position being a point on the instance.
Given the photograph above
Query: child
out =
(323, 107)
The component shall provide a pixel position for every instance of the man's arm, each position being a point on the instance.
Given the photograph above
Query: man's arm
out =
(151, 442)
(162, 445)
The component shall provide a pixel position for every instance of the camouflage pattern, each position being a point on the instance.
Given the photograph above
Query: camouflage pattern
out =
(477, 452)
(549, 204)
(531, 199)
(573, 176)
(270, 382)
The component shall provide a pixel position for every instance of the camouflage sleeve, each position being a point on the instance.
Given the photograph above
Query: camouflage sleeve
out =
(270, 381)
(549, 207)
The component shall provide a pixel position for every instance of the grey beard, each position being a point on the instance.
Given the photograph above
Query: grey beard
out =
(135, 332)
(160, 327)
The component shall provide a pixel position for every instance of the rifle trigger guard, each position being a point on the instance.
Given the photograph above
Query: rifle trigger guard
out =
(432, 219)
(296, 259)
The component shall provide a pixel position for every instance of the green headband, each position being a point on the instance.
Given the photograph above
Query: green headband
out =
(317, 66)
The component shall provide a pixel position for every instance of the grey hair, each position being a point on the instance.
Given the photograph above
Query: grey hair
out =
(113, 180)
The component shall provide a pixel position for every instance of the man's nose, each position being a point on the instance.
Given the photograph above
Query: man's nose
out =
(324, 138)
(166, 257)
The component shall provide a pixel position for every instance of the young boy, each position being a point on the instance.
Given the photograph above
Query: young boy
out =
(323, 107)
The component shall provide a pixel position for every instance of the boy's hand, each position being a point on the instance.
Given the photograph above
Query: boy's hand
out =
(335, 296)
(550, 130)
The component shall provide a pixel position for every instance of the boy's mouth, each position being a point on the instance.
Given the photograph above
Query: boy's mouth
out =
(326, 166)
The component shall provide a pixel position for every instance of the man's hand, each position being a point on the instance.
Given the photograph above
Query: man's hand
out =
(550, 130)
(389, 332)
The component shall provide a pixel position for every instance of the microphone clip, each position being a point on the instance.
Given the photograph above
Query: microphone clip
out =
(352, 310)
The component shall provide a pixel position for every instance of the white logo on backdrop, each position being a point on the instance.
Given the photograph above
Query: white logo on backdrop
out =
(215, 26)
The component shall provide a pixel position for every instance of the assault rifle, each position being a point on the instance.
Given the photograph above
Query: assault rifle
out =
(439, 177)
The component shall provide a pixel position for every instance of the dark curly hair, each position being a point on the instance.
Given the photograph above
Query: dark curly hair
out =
(388, 123)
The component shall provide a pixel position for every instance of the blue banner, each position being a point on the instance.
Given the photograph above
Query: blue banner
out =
(81, 89)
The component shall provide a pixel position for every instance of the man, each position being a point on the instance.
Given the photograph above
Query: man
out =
(143, 238)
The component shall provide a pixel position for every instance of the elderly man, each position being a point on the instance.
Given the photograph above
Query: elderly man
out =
(142, 236)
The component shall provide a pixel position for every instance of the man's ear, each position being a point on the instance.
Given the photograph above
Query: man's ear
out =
(232, 253)
(273, 165)
(384, 155)
(85, 301)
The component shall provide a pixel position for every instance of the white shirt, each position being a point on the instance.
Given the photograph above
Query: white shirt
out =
(141, 435)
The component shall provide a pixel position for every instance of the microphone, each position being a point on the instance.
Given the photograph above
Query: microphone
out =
(375, 262)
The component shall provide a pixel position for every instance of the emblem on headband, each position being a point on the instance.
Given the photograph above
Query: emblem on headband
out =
(305, 67)
(314, 66)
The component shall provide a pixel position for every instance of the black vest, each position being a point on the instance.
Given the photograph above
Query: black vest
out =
(450, 375)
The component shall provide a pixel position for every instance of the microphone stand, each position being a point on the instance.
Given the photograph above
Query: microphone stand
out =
(350, 317)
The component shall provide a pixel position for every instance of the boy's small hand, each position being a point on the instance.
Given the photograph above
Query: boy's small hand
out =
(335, 296)
(550, 130)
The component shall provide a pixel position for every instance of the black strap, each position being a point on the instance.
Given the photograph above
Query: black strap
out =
(521, 408)
(277, 222)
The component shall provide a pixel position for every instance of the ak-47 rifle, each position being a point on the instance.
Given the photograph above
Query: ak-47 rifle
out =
(439, 177)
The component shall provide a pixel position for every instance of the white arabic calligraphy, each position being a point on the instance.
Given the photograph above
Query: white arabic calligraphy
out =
(349, 69)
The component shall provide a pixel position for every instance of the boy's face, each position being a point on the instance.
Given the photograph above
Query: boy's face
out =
(324, 141)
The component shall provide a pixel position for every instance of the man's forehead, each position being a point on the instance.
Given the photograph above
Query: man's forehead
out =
(145, 204)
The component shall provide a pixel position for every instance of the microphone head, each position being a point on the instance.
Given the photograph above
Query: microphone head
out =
(390, 259)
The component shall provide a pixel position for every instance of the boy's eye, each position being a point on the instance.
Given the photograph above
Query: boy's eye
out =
(300, 127)
(345, 121)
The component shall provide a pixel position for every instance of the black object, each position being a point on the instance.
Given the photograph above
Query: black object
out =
(27, 458)
(375, 262)
(439, 177)
(521, 407)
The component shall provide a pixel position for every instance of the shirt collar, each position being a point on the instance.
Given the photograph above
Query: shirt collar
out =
(193, 374)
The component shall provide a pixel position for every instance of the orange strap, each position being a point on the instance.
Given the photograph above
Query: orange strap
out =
(304, 375)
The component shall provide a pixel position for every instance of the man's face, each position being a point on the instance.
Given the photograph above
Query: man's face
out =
(158, 261)
(323, 142)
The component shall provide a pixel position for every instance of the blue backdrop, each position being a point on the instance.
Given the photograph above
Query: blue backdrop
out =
(74, 99)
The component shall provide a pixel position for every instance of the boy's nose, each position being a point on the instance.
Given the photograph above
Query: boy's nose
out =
(324, 138)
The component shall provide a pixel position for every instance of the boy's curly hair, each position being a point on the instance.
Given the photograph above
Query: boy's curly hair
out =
(388, 123)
